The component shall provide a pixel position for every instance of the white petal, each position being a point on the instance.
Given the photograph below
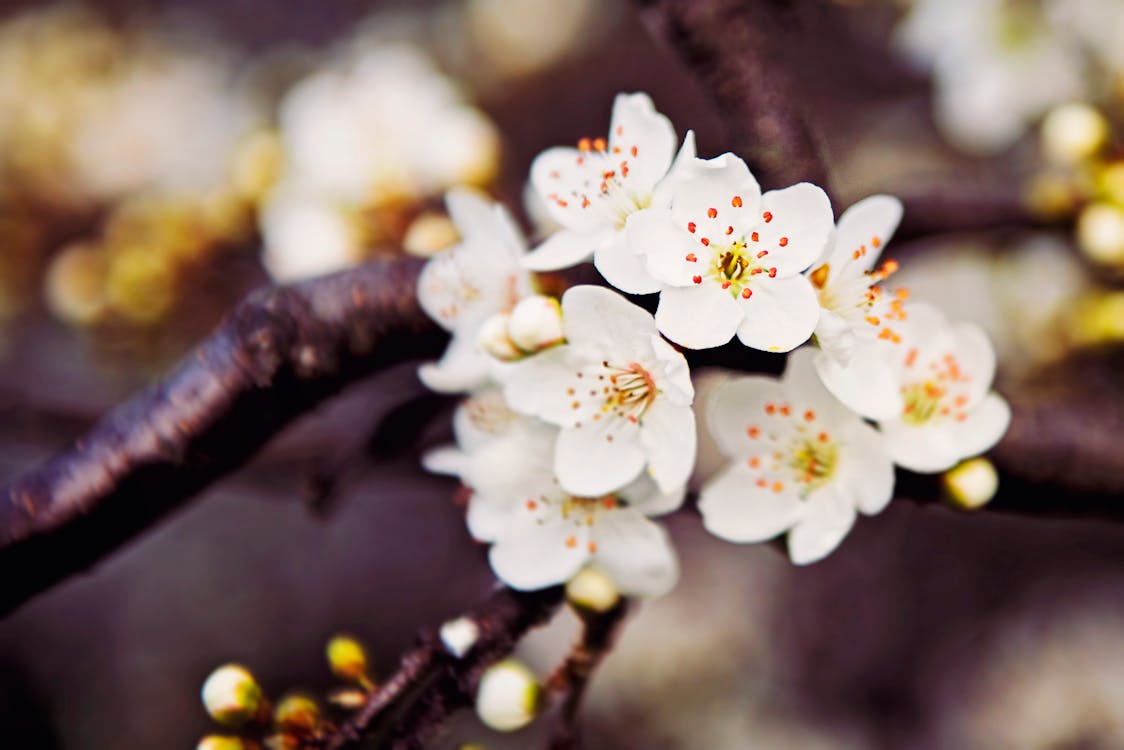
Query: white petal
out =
(446, 459)
(781, 314)
(587, 463)
(802, 220)
(734, 508)
(868, 385)
(652, 235)
(802, 385)
(563, 249)
(531, 555)
(623, 268)
(735, 407)
(545, 385)
(637, 124)
(865, 471)
(926, 449)
(864, 228)
(600, 319)
(835, 336)
(828, 516)
(557, 174)
(983, 426)
(487, 520)
(645, 496)
(698, 317)
(683, 168)
(976, 356)
(667, 435)
(671, 372)
(728, 187)
(635, 552)
(462, 368)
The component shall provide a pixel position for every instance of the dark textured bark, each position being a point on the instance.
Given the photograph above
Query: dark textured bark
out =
(732, 48)
(280, 353)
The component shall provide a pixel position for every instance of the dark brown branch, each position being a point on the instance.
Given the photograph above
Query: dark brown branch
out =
(599, 632)
(434, 684)
(731, 46)
(279, 354)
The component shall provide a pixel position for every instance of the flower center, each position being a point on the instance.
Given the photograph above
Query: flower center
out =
(859, 297)
(792, 447)
(938, 394)
(603, 184)
(630, 391)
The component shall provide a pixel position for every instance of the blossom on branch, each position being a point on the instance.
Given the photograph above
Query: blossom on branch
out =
(466, 285)
(591, 191)
(729, 259)
(620, 393)
(853, 304)
(802, 463)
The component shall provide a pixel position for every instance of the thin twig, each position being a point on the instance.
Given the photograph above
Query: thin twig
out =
(569, 682)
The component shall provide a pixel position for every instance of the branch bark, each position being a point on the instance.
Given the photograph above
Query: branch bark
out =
(280, 353)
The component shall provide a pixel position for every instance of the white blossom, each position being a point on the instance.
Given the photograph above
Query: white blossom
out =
(801, 463)
(620, 393)
(929, 390)
(591, 190)
(464, 286)
(729, 259)
(853, 304)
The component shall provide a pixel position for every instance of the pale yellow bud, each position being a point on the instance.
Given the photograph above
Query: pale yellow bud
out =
(220, 742)
(1111, 182)
(1100, 233)
(347, 658)
(1073, 132)
(296, 714)
(536, 323)
(493, 338)
(971, 484)
(508, 696)
(232, 696)
(75, 286)
(1098, 319)
(593, 590)
(429, 234)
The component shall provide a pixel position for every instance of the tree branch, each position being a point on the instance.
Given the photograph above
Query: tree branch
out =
(280, 353)
(599, 632)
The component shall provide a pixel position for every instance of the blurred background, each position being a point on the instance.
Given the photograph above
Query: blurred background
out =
(158, 159)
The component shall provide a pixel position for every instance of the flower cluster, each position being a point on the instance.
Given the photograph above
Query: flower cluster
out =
(578, 426)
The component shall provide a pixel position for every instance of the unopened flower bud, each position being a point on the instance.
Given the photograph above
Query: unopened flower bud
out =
(1100, 233)
(347, 658)
(459, 636)
(1072, 132)
(592, 590)
(1111, 182)
(536, 323)
(220, 742)
(508, 696)
(297, 715)
(348, 699)
(429, 234)
(232, 696)
(493, 338)
(971, 484)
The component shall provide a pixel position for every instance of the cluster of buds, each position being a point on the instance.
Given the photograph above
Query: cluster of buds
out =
(1077, 140)
(235, 700)
(534, 324)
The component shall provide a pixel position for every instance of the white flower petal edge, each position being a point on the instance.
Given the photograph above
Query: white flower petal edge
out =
(943, 373)
(591, 190)
(801, 463)
(469, 283)
(853, 305)
(619, 393)
(721, 243)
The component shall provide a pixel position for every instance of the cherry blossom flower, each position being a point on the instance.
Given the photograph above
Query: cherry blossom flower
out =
(928, 389)
(802, 463)
(464, 286)
(729, 259)
(620, 393)
(853, 304)
(591, 191)
(997, 66)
